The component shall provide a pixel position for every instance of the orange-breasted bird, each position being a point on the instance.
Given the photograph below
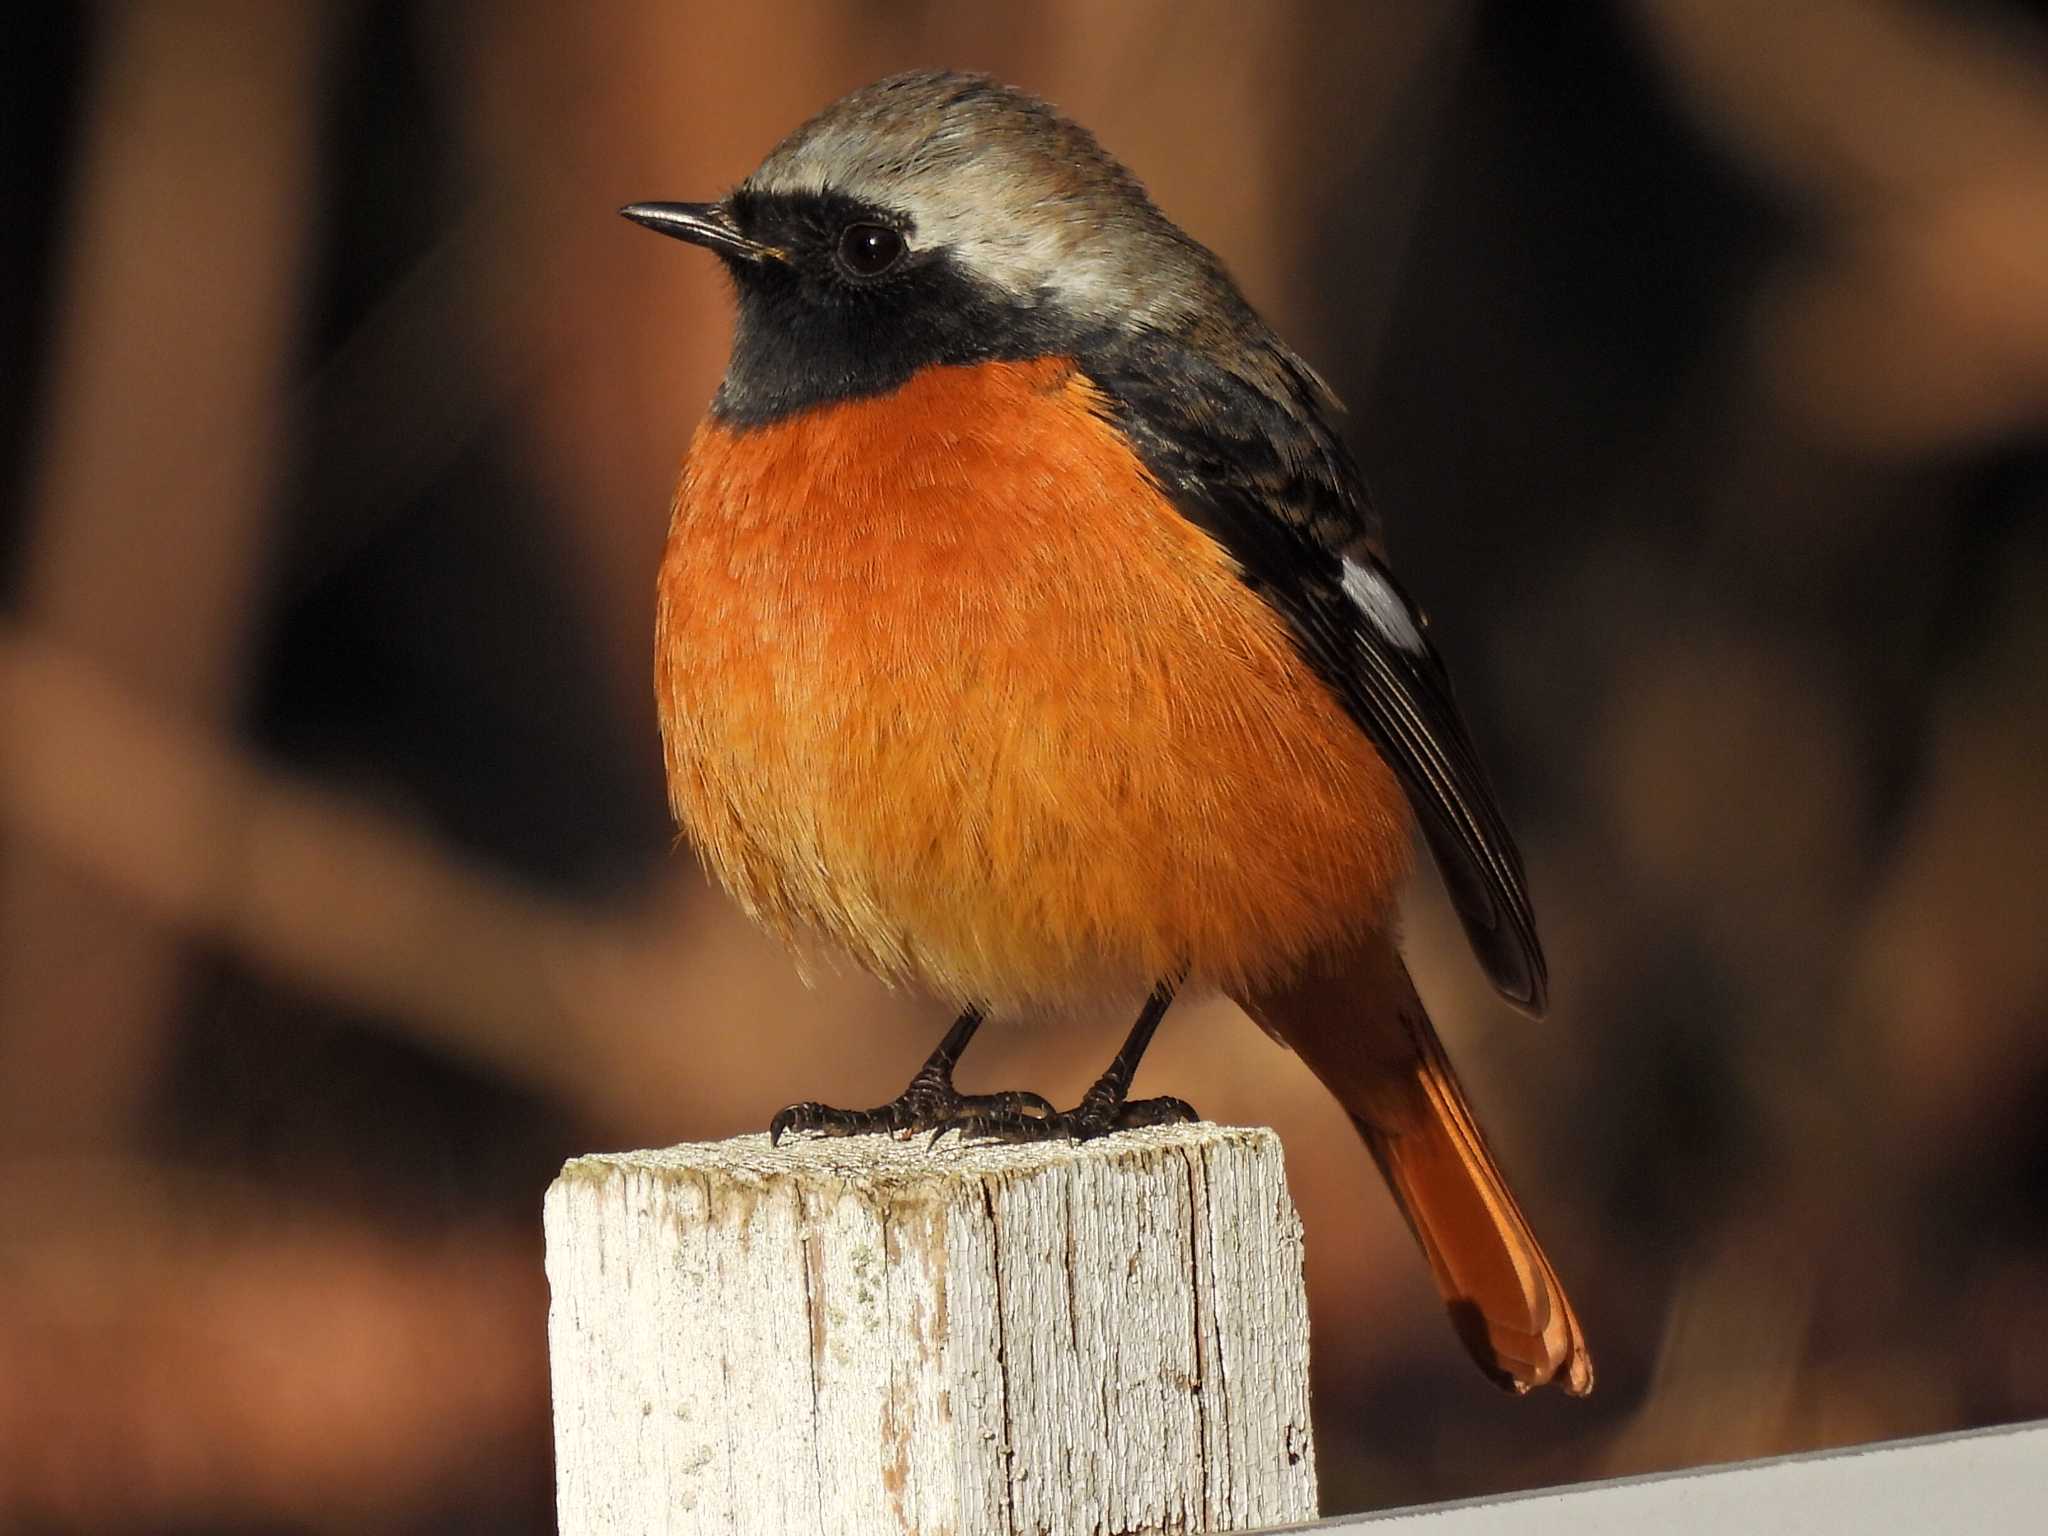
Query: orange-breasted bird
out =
(1025, 629)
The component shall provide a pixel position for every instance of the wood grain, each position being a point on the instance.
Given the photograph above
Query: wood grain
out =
(874, 1336)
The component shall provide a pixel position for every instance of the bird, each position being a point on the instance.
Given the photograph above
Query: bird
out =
(1025, 630)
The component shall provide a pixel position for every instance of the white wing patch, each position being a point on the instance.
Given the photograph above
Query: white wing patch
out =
(1383, 607)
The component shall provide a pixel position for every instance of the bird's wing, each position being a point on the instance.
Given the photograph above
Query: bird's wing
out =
(1260, 470)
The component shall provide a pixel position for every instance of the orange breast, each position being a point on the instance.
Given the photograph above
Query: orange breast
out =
(943, 675)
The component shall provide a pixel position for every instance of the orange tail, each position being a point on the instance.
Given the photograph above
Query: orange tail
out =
(1362, 1030)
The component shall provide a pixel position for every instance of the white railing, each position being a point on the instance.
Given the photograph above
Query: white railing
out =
(1988, 1481)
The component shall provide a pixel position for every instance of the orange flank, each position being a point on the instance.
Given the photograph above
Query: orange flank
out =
(943, 676)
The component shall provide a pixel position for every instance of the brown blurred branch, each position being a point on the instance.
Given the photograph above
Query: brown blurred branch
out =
(620, 1016)
(188, 1357)
(147, 551)
(321, 890)
(1922, 138)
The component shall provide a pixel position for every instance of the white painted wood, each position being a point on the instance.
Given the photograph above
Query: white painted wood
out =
(1983, 1482)
(868, 1335)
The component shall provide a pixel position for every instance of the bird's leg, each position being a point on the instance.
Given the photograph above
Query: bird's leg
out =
(928, 1103)
(1103, 1108)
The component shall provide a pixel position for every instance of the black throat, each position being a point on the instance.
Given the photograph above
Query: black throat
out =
(808, 336)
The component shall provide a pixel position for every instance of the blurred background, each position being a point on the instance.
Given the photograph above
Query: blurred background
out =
(1698, 352)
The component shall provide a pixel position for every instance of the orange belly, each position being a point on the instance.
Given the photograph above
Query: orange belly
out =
(943, 676)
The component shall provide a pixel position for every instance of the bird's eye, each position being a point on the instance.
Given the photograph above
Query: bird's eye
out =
(869, 250)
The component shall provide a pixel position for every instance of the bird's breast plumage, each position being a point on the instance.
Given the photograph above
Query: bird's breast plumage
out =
(943, 675)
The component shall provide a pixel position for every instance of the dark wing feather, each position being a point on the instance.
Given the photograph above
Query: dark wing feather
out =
(1253, 461)
(1403, 699)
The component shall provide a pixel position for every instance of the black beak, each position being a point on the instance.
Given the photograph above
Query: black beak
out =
(705, 224)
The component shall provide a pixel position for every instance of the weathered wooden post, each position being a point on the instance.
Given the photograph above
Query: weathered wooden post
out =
(878, 1336)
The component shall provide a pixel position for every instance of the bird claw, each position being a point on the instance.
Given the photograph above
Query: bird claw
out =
(1086, 1121)
(923, 1106)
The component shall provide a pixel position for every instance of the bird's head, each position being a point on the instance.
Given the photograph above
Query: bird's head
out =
(937, 218)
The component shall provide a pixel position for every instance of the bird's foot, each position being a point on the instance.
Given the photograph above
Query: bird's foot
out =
(928, 1104)
(1096, 1115)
